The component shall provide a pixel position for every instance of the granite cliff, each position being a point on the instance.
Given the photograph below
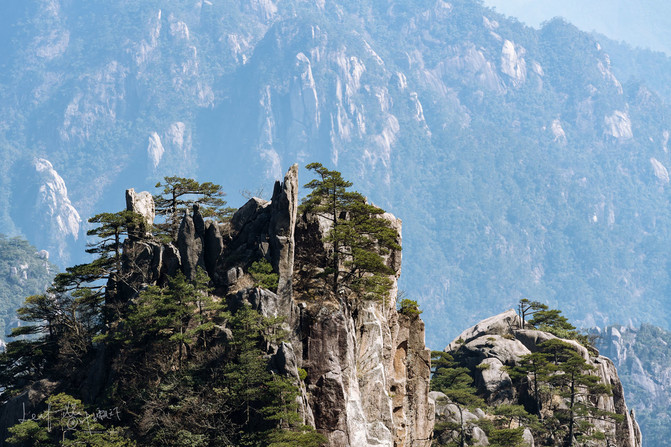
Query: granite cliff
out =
(494, 346)
(362, 367)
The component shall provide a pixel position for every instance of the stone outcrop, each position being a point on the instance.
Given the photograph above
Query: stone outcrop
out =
(284, 207)
(367, 367)
(498, 341)
(190, 245)
(361, 367)
(141, 203)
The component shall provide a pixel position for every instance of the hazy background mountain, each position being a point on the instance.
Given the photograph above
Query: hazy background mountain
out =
(643, 360)
(24, 271)
(645, 24)
(523, 162)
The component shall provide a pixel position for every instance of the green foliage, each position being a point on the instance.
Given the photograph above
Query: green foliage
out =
(180, 194)
(526, 307)
(552, 321)
(238, 402)
(180, 314)
(558, 371)
(456, 383)
(66, 423)
(409, 308)
(262, 272)
(110, 229)
(506, 437)
(358, 235)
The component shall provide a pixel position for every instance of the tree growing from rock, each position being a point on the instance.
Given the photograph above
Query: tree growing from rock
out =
(456, 383)
(574, 380)
(572, 388)
(533, 370)
(358, 235)
(526, 308)
(79, 305)
(180, 194)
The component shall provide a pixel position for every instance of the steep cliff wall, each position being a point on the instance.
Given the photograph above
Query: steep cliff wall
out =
(367, 367)
(642, 357)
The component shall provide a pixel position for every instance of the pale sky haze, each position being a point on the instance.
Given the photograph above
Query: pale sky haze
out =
(643, 23)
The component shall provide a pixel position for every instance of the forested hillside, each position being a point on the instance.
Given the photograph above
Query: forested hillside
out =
(523, 162)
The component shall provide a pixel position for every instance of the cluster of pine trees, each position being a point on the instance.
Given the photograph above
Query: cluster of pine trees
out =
(183, 368)
(563, 388)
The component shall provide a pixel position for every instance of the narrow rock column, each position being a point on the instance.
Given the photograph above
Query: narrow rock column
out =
(282, 226)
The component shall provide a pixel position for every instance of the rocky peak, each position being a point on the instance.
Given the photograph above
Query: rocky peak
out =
(141, 203)
(498, 342)
(367, 366)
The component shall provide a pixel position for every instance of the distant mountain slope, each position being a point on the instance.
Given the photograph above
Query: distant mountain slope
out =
(644, 24)
(521, 165)
(642, 357)
(23, 272)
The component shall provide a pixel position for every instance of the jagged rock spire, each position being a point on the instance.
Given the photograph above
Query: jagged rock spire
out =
(141, 203)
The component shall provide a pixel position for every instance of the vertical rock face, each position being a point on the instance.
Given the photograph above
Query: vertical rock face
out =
(190, 245)
(141, 203)
(284, 205)
(367, 366)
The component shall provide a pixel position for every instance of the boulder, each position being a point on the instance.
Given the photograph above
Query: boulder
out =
(247, 212)
(528, 438)
(503, 323)
(496, 381)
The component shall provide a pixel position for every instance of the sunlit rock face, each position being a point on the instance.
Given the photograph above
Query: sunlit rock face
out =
(498, 342)
(55, 217)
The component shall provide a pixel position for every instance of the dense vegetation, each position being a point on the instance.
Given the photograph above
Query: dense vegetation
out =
(187, 370)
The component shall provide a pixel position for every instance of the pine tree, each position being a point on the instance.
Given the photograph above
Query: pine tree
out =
(358, 235)
(180, 194)
(95, 284)
(180, 313)
(526, 307)
(574, 379)
(455, 382)
(534, 369)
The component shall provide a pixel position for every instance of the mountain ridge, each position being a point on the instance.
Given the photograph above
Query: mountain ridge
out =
(520, 163)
